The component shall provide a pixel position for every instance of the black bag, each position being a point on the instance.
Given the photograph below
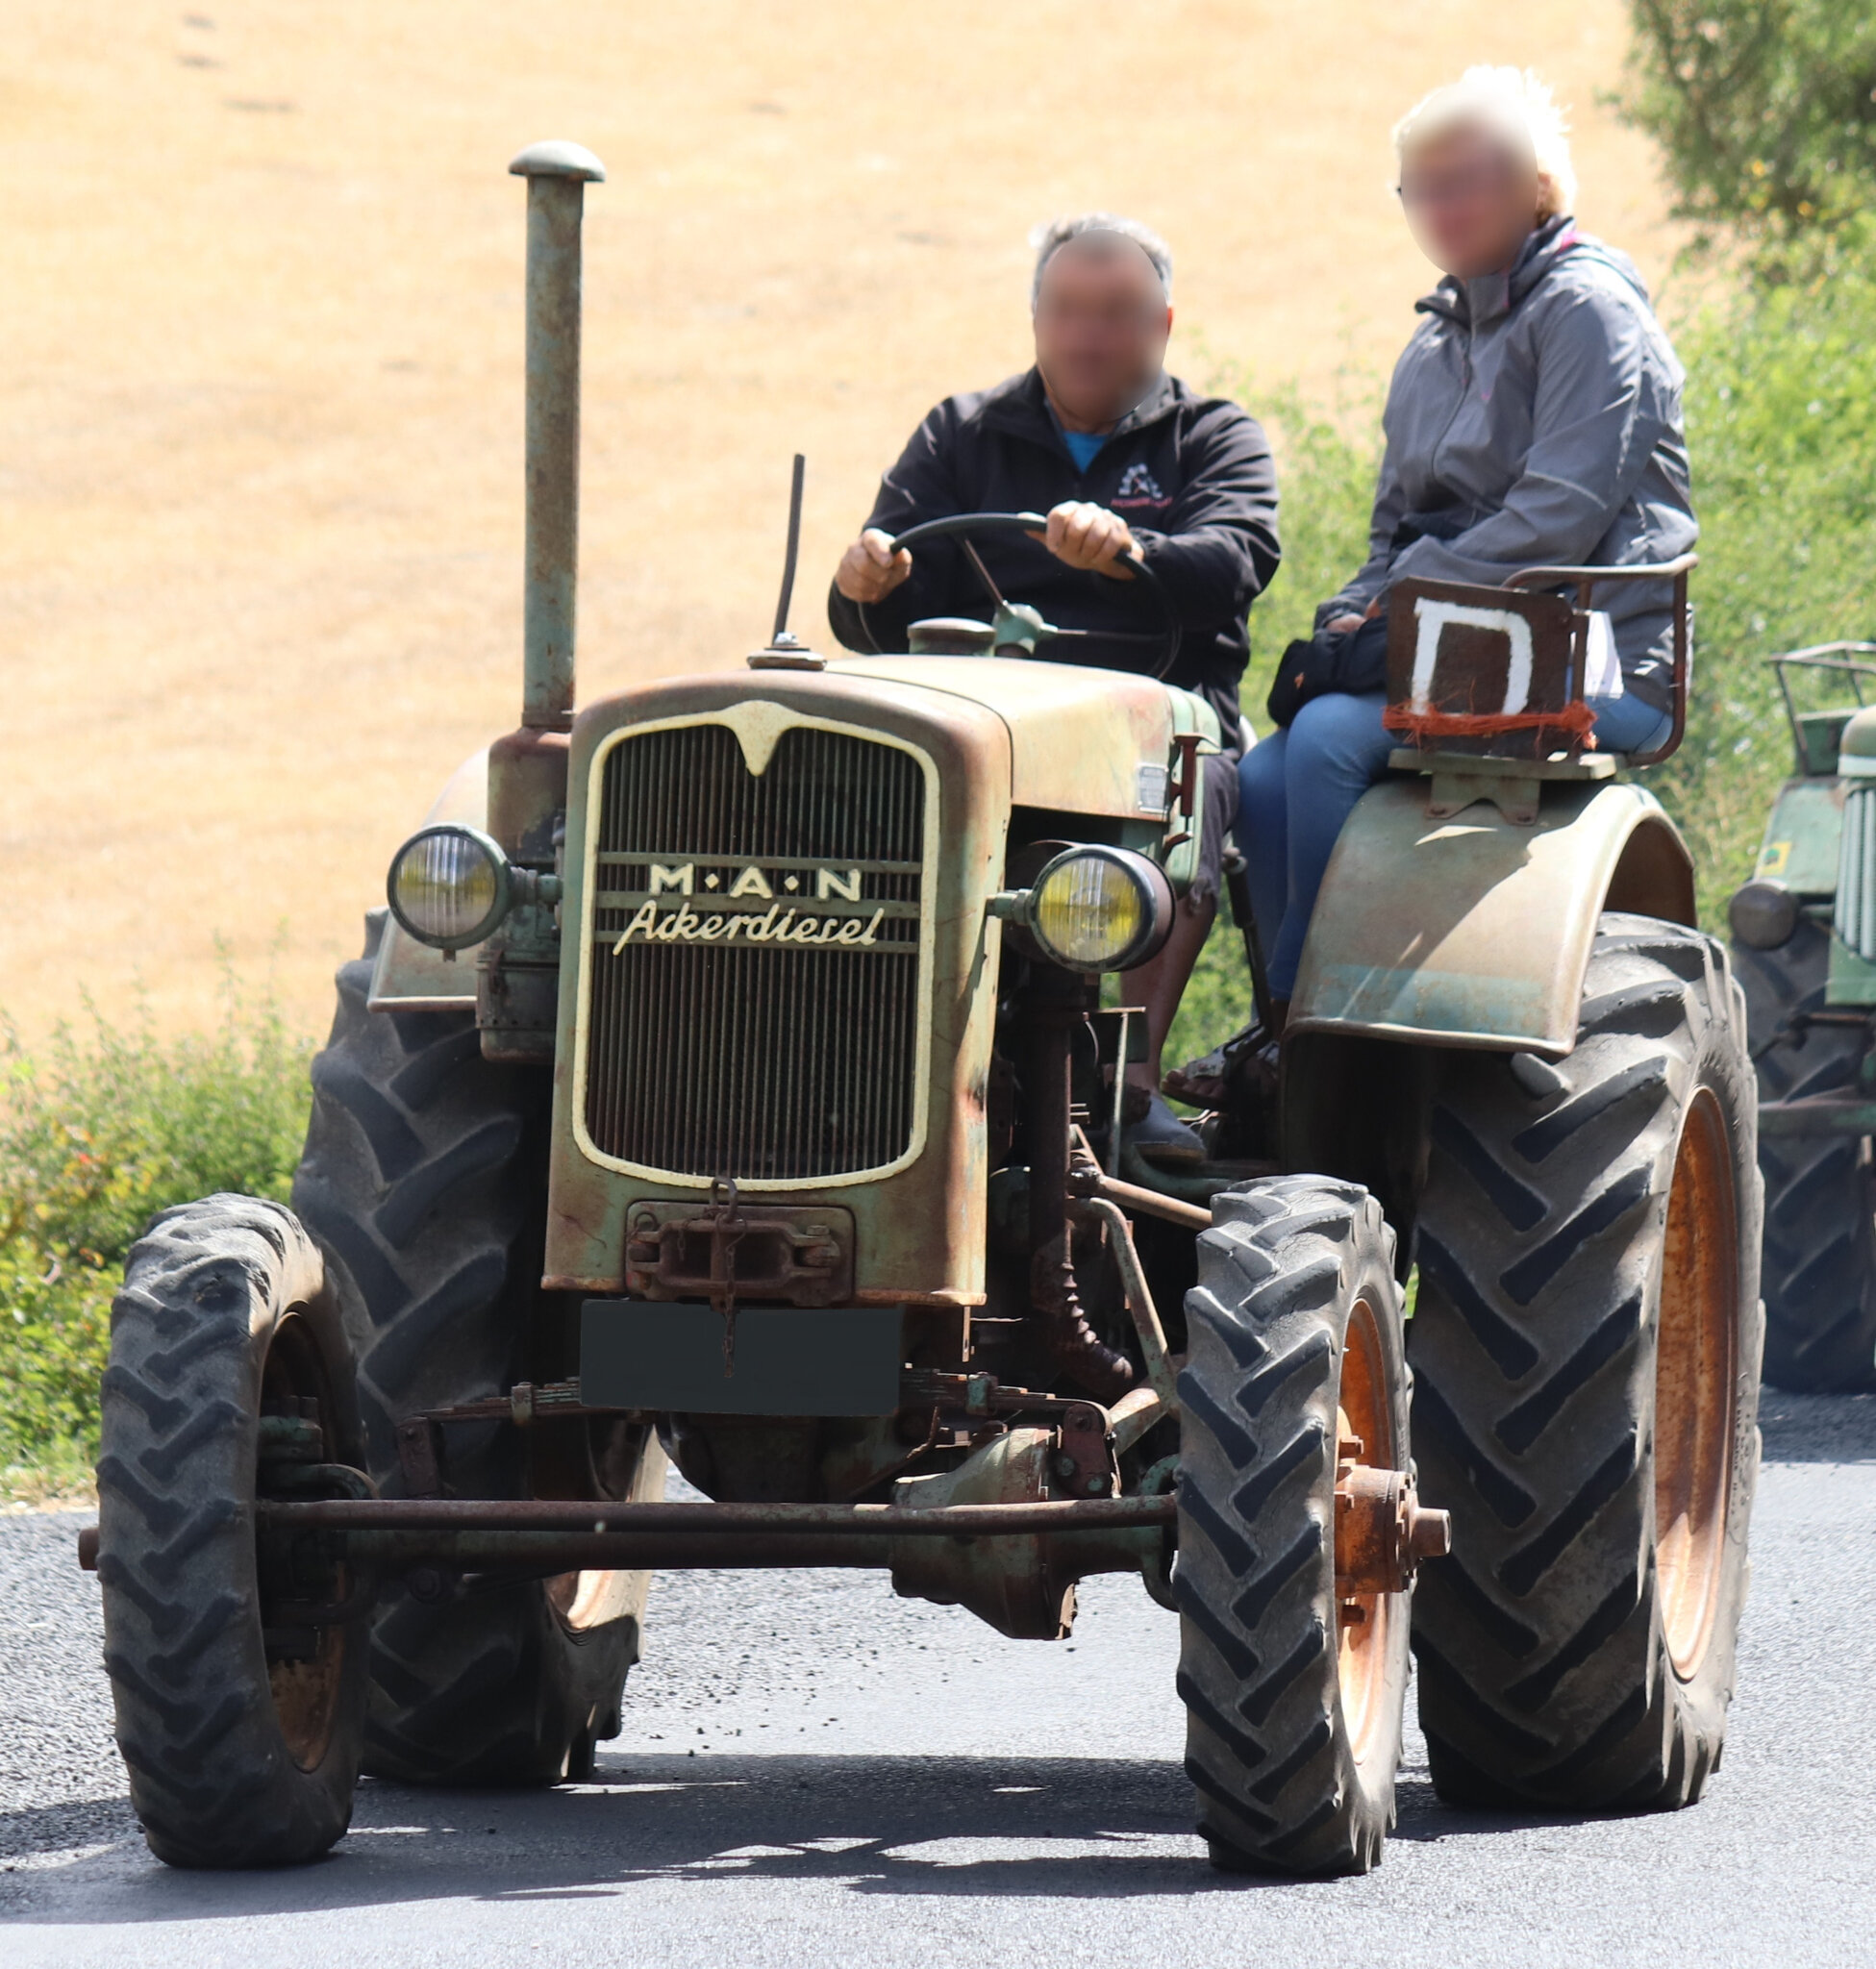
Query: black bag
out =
(1351, 661)
(1355, 660)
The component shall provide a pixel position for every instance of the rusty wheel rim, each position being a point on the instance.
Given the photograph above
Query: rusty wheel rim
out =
(1695, 1376)
(1364, 1416)
(305, 1692)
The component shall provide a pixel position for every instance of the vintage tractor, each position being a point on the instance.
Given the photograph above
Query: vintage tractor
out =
(1804, 941)
(730, 1082)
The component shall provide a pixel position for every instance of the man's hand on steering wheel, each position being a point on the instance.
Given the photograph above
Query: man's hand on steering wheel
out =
(872, 567)
(1089, 537)
(1091, 540)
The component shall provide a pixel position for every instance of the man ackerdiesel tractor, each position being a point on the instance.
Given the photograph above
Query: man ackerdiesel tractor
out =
(729, 1084)
(1804, 940)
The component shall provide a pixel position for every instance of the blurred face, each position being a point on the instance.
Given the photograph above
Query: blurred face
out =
(1470, 200)
(1101, 327)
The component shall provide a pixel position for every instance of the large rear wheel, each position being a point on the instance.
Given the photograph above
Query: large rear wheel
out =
(424, 1179)
(1586, 1348)
(1295, 1491)
(1821, 1190)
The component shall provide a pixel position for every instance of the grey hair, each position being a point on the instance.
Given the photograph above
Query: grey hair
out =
(1050, 239)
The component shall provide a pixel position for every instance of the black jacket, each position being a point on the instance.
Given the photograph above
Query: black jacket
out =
(1193, 477)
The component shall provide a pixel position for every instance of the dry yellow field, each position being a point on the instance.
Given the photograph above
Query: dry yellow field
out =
(261, 408)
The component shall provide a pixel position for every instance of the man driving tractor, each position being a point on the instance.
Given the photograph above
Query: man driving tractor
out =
(1127, 462)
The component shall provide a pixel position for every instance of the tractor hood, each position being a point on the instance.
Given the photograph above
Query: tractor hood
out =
(1077, 740)
(1080, 740)
(1071, 740)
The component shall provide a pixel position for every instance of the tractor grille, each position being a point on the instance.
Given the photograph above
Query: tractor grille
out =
(719, 1042)
(1854, 912)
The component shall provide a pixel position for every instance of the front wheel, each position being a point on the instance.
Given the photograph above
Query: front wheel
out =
(238, 1672)
(1586, 1349)
(1298, 1529)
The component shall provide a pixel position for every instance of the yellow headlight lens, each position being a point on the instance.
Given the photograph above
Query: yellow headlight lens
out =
(1087, 910)
(446, 886)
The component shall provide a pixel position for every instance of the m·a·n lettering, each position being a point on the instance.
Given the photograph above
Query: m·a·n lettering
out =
(683, 878)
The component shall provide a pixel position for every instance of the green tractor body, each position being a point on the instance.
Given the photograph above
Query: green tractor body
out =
(1804, 940)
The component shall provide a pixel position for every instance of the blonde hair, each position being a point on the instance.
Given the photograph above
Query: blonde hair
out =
(1512, 104)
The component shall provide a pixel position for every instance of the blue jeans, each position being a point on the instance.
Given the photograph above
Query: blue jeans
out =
(1297, 787)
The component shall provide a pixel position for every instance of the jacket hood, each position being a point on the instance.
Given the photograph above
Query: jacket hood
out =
(1475, 302)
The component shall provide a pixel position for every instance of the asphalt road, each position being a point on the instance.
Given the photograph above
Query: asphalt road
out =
(815, 1772)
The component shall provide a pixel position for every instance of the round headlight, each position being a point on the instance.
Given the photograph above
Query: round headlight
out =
(1763, 915)
(1100, 910)
(448, 886)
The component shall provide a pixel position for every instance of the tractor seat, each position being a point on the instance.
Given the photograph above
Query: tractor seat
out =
(1497, 682)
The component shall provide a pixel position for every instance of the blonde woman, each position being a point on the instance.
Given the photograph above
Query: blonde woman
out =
(1533, 419)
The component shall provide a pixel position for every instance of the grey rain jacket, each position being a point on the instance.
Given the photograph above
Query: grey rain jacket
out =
(1541, 412)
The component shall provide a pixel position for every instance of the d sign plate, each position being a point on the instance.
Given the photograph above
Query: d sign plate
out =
(1460, 651)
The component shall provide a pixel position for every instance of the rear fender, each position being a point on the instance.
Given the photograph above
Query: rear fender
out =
(1475, 931)
(1433, 936)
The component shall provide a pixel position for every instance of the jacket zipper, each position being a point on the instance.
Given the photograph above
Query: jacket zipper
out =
(1459, 400)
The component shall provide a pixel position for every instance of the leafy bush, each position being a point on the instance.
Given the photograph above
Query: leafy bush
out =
(1782, 431)
(100, 1130)
(1328, 454)
(1766, 113)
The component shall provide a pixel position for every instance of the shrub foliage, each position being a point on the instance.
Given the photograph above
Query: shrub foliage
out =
(1765, 113)
(100, 1130)
(1782, 431)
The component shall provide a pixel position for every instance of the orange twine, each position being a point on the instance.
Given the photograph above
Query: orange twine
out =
(1575, 721)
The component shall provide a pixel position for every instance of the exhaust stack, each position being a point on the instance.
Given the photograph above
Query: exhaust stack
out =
(518, 970)
(557, 174)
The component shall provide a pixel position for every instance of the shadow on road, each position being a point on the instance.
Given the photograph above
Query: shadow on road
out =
(1817, 1429)
(1067, 1829)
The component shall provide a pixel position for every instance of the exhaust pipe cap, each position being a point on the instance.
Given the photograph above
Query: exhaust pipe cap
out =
(559, 159)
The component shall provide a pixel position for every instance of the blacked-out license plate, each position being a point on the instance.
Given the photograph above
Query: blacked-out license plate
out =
(785, 1360)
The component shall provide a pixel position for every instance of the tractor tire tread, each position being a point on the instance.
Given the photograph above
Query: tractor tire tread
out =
(424, 1182)
(210, 1777)
(1821, 1190)
(1544, 1678)
(1266, 1750)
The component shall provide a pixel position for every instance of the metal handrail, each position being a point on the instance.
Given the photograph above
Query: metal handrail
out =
(1586, 579)
(1821, 655)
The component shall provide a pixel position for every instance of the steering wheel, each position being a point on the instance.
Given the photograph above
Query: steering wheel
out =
(1016, 628)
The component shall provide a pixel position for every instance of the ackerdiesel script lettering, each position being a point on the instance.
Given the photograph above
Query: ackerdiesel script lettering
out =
(682, 924)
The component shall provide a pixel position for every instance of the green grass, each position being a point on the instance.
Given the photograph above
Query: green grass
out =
(100, 1128)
